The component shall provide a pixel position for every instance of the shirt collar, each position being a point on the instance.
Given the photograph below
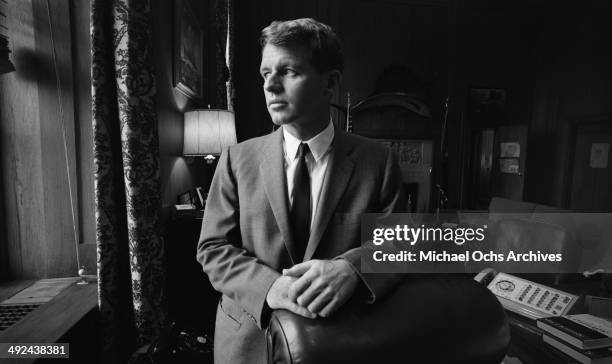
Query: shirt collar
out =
(318, 145)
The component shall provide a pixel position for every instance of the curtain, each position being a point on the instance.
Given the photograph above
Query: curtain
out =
(223, 53)
(229, 56)
(127, 188)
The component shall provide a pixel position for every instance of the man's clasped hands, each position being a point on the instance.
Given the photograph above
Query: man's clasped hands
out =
(315, 288)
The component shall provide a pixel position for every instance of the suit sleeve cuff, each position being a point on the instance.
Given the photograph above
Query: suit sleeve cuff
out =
(375, 285)
(364, 291)
(263, 312)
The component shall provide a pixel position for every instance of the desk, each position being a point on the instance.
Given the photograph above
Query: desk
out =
(526, 345)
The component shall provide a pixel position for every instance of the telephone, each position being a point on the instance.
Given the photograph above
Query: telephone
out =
(529, 299)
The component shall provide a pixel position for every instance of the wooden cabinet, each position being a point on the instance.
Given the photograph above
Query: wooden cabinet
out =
(192, 301)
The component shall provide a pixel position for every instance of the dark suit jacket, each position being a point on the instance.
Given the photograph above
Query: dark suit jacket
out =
(246, 238)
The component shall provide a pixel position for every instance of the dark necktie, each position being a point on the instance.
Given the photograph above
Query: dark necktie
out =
(300, 209)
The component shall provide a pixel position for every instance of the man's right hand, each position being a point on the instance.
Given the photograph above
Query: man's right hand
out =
(278, 297)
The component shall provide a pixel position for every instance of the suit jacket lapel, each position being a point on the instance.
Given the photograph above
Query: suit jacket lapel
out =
(272, 170)
(337, 177)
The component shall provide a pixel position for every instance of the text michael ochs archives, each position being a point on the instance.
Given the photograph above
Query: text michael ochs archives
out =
(405, 243)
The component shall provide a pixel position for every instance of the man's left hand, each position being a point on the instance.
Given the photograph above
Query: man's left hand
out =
(322, 285)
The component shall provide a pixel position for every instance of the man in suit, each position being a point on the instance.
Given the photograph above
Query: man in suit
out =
(281, 228)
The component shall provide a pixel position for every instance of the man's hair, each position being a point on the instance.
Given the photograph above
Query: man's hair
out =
(318, 38)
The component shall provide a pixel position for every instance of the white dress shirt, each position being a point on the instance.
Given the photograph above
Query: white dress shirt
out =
(316, 161)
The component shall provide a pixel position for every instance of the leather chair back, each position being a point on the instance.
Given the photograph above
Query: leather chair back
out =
(425, 320)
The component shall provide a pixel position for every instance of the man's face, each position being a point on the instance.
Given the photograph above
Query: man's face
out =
(296, 93)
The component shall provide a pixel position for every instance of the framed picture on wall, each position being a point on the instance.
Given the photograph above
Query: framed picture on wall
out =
(415, 159)
(487, 103)
(188, 50)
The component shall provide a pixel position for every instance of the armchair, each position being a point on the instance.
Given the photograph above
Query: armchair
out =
(432, 319)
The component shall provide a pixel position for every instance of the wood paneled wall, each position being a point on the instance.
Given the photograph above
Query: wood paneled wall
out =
(21, 150)
(573, 84)
(38, 115)
(4, 267)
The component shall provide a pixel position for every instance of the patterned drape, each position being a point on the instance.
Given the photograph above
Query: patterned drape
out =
(223, 53)
(127, 187)
(229, 56)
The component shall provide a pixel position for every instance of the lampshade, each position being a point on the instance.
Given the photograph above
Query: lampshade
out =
(208, 132)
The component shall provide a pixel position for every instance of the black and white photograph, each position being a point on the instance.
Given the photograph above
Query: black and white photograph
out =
(305, 182)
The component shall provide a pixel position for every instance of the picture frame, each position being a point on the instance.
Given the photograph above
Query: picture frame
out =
(509, 165)
(409, 152)
(510, 150)
(487, 103)
(185, 198)
(415, 160)
(188, 52)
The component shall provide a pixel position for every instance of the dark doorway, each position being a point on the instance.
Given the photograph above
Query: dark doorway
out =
(498, 160)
